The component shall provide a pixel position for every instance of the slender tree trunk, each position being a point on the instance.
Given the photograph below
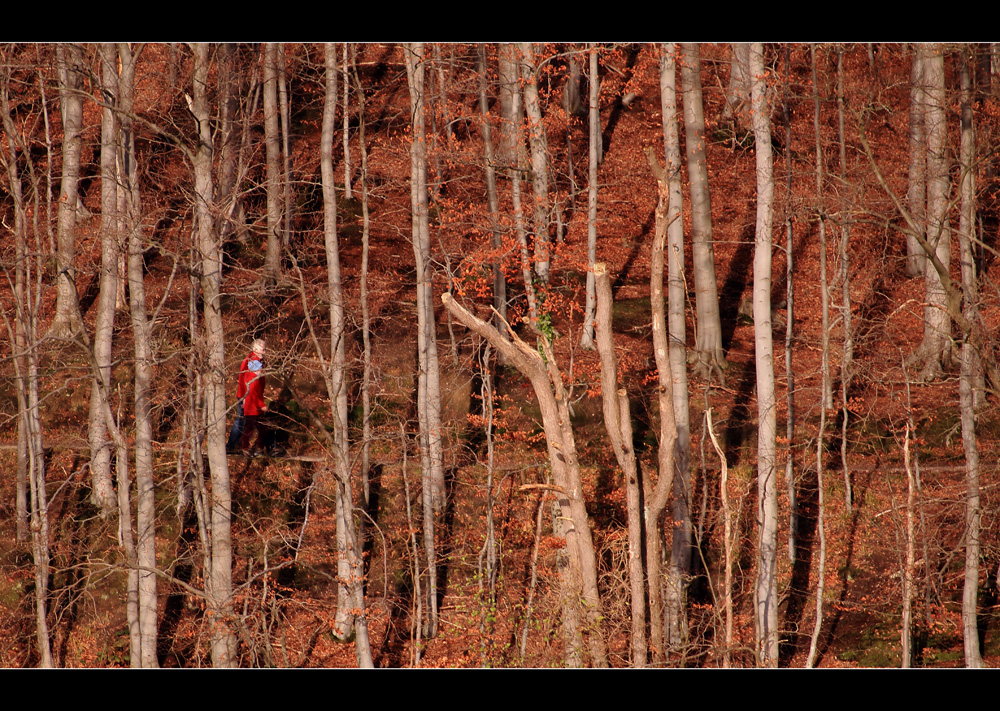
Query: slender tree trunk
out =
(144, 368)
(286, 145)
(766, 594)
(219, 579)
(70, 64)
(916, 193)
(348, 192)
(847, 359)
(428, 389)
(969, 369)
(587, 338)
(350, 596)
(539, 161)
(934, 352)
(272, 259)
(737, 106)
(102, 494)
(711, 359)
(618, 423)
(825, 389)
(793, 518)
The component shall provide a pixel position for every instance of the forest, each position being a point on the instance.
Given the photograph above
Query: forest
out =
(543, 355)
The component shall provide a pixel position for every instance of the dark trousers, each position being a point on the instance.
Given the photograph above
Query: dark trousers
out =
(252, 425)
(236, 434)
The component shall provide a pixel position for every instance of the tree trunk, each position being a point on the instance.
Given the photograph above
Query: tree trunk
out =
(587, 338)
(350, 595)
(539, 161)
(428, 387)
(70, 63)
(737, 106)
(618, 423)
(102, 493)
(916, 192)
(272, 259)
(219, 579)
(934, 352)
(546, 380)
(708, 346)
(970, 367)
(766, 594)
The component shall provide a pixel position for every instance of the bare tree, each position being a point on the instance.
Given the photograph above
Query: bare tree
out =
(916, 193)
(539, 160)
(587, 337)
(428, 387)
(970, 368)
(711, 360)
(934, 351)
(219, 579)
(766, 593)
(70, 65)
(275, 231)
(618, 423)
(350, 596)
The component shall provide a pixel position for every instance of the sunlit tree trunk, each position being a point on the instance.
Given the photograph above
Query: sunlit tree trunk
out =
(428, 388)
(102, 494)
(275, 231)
(934, 352)
(350, 596)
(71, 69)
(766, 593)
(969, 370)
(286, 144)
(144, 369)
(219, 579)
(916, 193)
(847, 358)
(824, 390)
(587, 338)
(618, 423)
(580, 575)
(539, 161)
(711, 360)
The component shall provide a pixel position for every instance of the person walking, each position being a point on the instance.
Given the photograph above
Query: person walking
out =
(250, 392)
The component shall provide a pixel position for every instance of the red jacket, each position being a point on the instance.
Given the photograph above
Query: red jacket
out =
(251, 386)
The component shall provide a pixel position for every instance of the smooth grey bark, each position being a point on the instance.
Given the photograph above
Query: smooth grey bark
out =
(102, 493)
(970, 367)
(345, 133)
(587, 337)
(675, 620)
(539, 161)
(916, 192)
(71, 68)
(934, 351)
(618, 423)
(766, 589)
(144, 368)
(219, 579)
(428, 386)
(275, 230)
(711, 361)
(350, 595)
(793, 518)
(825, 387)
(286, 142)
